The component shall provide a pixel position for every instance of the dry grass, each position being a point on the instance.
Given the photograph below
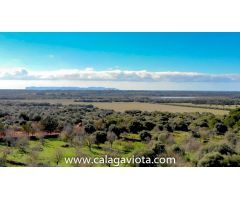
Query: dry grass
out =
(123, 106)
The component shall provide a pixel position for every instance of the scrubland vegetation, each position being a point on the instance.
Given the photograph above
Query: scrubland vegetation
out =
(42, 134)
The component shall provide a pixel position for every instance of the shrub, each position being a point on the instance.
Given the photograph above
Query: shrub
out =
(101, 137)
(37, 118)
(225, 149)
(49, 124)
(24, 116)
(149, 126)
(89, 128)
(158, 148)
(213, 159)
(145, 136)
(117, 130)
(22, 144)
(232, 161)
(177, 149)
(135, 127)
(179, 124)
(220, 128)
(232, 138)
(196, 134)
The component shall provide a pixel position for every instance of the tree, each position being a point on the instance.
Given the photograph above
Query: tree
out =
(22, 144)
(158, 148)
(232, 138)
(135, 127)
(149, 125)
(33, 158)
(225, 149)
(28, 128)
(145, 136)
(89, 128)
(67, 134)
(111, 137)
(101, 137)
(58, 156)
(49, 124)
(220, 128)
(117, 130)
(178, 149)
(89, 140)
(24, 116)
(213, 159)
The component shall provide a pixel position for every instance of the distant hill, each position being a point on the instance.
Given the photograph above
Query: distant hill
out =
(69, 88)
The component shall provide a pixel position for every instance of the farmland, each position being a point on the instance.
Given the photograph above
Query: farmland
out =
(123, 106)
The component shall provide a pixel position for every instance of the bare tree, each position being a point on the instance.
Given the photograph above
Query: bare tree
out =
(33, 158)
(22, 144)
(89, 140)
(111, 137)
(58, 156)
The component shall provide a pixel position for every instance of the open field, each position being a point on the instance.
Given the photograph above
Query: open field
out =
(123, 106)
(221, 107)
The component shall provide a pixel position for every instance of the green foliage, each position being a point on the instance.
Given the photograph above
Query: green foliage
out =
(49, 123)
(178, 149)
(220, 128)
(231, 161)
(232, 118)
(213, 159)
(89, 128)
(101, 137)
(145, 136)
(149, 125)
(135, 127)
(158, 148)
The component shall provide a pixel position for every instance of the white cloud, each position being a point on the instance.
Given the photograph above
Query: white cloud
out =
(89, 74)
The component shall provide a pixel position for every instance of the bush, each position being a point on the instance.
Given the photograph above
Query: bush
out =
(179, 124)
(232, 138)
(220, 128)
(22, 144)
(145, 136)
(177, 149)
(89, 128)
(37, 118)
(158, 148)
(196, 134)
(135, 127)
(101, 137)
(24, 116)
(225, 149)
(232, 161)
(149, 126)
(213, 159)
(117, 130)
(49, 124)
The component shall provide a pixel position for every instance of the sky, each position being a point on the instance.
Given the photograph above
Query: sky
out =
(130, 61)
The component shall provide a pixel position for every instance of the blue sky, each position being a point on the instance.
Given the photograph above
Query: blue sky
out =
(211, 61)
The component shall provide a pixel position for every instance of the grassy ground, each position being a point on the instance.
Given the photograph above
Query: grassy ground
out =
(123, 106)
(122, 148)
(46, 155)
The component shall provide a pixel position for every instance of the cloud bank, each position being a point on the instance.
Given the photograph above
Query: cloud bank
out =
(90, 74)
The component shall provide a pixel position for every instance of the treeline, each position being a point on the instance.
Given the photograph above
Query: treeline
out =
(196, 97)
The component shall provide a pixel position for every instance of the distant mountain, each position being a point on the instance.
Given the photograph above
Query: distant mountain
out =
(69, 88)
